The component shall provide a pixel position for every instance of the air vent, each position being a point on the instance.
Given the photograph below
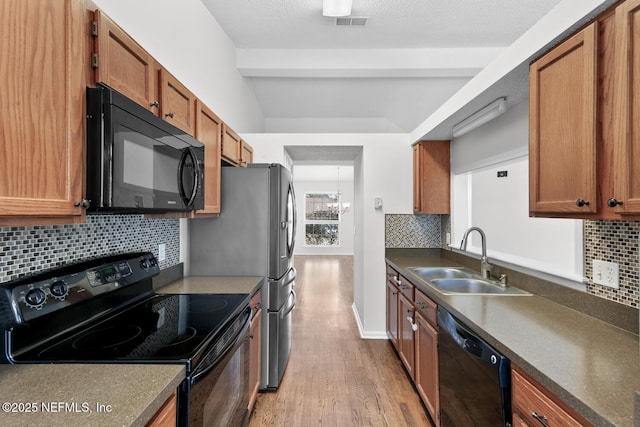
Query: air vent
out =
(352, 21)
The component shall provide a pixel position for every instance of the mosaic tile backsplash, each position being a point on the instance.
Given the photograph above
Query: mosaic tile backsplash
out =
(412, 231)
(25, 250)
(614, 241)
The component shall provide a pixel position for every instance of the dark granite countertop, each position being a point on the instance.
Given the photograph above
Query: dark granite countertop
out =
(212, 285)
(591, 365)
(85, 394)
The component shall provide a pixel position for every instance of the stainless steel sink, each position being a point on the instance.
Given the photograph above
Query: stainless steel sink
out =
(473, 286)
(462, 281)
(428, 273)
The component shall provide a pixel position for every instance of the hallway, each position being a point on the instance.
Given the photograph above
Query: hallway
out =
(335, 378)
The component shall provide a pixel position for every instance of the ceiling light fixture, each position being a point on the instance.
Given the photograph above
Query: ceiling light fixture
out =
(480, 117)
(336, 8)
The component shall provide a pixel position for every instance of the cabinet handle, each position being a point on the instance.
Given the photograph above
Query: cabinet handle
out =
(540, 418)
(421, 305)
(84, 204)
(155, 104)
(169, 114)
(612, 203)
(581, 203)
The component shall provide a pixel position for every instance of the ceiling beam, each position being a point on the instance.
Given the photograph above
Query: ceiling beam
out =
(363, 63)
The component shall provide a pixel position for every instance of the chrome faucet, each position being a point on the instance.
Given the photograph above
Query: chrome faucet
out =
(485, 267)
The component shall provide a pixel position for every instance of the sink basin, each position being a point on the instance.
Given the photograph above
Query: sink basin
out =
(472, 286)
(428, 273)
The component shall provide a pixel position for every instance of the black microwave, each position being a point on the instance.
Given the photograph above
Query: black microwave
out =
(137, 162)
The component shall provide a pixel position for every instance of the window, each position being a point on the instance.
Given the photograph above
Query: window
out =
(322, 219)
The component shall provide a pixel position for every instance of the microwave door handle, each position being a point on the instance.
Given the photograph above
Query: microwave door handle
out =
(188, 200)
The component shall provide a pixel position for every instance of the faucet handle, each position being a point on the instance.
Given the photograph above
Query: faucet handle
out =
(503, 279)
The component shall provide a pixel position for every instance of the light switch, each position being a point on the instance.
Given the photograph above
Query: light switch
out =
(377, 203)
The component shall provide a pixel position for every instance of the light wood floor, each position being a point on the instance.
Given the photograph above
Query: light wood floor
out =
(335, 378)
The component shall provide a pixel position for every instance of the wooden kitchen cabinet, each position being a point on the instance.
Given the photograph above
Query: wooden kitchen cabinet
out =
(406, 335)
(392, 306)
(42, 111)
(177, 103)
(413, 330)
(209, 131)
(231, 149)
(122, 64)
(562, 126)
(246, 156)
(626, 192)
(426, 365)
(584, 122)
(426, 353)
(532, 404)
(431, 177)
(166, 415)
(254, 348)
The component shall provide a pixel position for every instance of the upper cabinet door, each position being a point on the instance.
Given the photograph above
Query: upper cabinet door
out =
(626, 197)
(562, 127)
(209, 132)
(123, 65)
(431, 177)
(177, 103)
(42, 111)
(231, 146)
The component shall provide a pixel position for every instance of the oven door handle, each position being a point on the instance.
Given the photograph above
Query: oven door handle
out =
(240, 336)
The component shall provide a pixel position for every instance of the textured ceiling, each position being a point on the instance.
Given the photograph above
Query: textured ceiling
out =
(288, 24)
(404, 77)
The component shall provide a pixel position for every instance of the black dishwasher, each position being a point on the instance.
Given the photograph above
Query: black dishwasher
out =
(475, 380)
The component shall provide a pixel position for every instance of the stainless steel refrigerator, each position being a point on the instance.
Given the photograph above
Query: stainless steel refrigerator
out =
(254, 236)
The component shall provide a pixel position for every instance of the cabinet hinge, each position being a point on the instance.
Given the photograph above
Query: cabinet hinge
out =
(94, 60)
(94, 28)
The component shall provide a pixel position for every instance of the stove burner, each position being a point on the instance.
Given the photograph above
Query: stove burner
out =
(107, 338)
(207, 306)
(189, 333)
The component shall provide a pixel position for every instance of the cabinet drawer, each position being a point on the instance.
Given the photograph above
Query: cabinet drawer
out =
(406, 287)
(400, 282)
(530, 404)
(426, 307)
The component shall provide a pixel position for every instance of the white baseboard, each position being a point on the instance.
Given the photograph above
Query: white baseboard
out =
(367, 335)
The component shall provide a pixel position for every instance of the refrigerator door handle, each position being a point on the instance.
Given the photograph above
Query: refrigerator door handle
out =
(290, 309)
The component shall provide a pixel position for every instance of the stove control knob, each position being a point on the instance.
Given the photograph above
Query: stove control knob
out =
(35, 298)
(152, 262)
(59, 289)
(144, 264)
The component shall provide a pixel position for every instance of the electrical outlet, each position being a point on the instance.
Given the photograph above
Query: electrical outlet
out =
(161, 252)
(606, 273)
(448, 238)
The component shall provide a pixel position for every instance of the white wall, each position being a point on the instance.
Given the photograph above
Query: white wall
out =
(346, 219)
(384, 170)
(187, 41)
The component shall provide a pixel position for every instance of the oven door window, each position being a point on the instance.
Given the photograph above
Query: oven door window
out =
(145, 168)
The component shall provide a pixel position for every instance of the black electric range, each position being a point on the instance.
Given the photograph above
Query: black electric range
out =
(105, 311)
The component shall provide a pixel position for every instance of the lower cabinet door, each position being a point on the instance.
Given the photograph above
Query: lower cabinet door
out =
(406, 335)
(426, 366)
